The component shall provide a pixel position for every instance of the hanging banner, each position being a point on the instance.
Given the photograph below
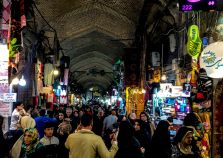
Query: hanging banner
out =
(5, 20)
(132, 67)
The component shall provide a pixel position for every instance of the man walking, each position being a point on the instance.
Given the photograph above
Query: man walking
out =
(85, 144)
(109, 120)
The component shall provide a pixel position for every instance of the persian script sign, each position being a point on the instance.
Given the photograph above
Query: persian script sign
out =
(9, 97)
(211, 60)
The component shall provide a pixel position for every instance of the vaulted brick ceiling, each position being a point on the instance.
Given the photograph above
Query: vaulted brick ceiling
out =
(92, 32)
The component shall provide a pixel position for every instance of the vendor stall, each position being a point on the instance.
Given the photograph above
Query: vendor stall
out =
(173, 104)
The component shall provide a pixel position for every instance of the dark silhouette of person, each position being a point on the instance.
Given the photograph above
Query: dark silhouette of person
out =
(161, 144)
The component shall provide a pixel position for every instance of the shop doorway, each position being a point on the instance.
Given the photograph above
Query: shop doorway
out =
(218, 121)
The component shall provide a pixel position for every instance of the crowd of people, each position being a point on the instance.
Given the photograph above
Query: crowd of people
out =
(91, 132)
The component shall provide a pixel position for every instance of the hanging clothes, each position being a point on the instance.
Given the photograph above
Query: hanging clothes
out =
(48, 74)
(66, 73)
(50, 98)
(72, 99)
(64, 64)
(39, 101)
(63, 99)
(38, 79)
(39, 86)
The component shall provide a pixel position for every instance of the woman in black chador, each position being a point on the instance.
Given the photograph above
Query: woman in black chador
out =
(129, 146)
(161, 145)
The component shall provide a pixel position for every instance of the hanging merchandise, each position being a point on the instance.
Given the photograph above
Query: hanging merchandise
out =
(205, 83)
(38, 78)
(192, 76)
(22, 13)
(134, 100)
(204, 41)
(131, 67)
(194, 42)
(63, 99)
(219, 25)
(48, 74)
(64, 64)
(211, 60)
(50, 97)
(71, 98)
(58, 92)
(172, 41)
(180, 77)
(15, 34)
(66, 76)
(156, 75)
(5, 20)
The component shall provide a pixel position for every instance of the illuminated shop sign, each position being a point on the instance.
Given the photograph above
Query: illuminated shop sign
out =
(191, 5)
(168, 90)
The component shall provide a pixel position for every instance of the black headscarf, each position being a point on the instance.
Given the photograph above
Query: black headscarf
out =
(126, 132)
(191, 120)
(161, 144)
(181, 133)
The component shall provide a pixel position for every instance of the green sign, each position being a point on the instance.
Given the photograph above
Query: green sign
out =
(194, 42)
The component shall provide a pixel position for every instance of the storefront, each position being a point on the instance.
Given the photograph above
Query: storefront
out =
(172, 103)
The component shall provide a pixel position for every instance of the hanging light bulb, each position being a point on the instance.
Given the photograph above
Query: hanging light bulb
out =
(15, 81)
(163, 78)
(143, 91)
(22, 81)
(56, 72)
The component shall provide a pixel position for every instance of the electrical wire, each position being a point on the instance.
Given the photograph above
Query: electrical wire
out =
(181, 28)
(44, 18)
(56, 41)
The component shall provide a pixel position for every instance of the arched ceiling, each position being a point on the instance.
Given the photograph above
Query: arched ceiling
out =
(92, 32)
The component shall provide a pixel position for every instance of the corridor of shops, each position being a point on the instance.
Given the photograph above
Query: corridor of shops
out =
(111, 79)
